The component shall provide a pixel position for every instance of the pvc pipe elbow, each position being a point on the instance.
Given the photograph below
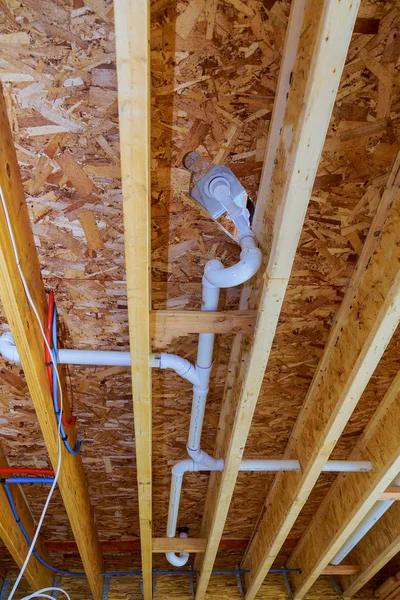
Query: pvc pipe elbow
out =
(8, 348)
(175, 560)
(250, 262)
(184, 466)
(180, 365)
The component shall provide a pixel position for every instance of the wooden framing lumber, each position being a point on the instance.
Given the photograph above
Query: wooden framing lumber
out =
(167, 325)
(374, 551)
(315, 51)
(391, 493)
(352, 352)
(352, 500)
(132, 27)
(341, 570)
(30, 346)
(37, 575)
(159, 545)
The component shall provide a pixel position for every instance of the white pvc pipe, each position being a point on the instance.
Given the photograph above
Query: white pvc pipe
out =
(178, 471)
(180, 365)
(347, 466)
(250, 262)
(203, 371)
(7, 347)
(188, 465)
(341, 466)
(374, 514)
(94, 357)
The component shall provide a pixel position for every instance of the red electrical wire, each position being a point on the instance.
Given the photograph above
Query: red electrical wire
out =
(26, 471)
(49, 358)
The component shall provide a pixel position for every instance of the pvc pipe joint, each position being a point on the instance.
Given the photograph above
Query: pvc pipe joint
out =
(8, 348)
(180, 365)
(250, 262)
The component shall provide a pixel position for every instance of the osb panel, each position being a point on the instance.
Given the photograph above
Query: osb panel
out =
(214, 74)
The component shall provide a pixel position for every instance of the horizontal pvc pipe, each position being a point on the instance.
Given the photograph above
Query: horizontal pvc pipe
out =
(269, 465)
(347, 466)
(94, 357)
(374, 514)
(341, 466)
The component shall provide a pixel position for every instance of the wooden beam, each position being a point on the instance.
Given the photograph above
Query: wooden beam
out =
(162, 545)
(127, 547)
(30, 346)
(315, 51)
(358, 492)
(392, 493)
(37, 575)
(374, 551)
(341, 570)
(132, 28)
(352, 351)
(167, 325)
(390, 589)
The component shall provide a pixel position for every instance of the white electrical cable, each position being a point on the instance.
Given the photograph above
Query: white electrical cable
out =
(35, 311)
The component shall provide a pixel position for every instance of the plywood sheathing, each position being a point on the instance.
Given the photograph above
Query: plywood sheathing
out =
(214, 72)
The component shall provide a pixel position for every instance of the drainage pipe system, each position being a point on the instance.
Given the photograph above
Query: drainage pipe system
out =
(186, 466)
(215, 277)
(374, 514)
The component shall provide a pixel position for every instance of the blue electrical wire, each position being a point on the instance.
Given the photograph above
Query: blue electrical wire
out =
(110, 573)
(64, 436)
(22, 528)
(28, 480)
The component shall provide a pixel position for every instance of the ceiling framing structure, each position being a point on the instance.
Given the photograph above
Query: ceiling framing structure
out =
(319, 38)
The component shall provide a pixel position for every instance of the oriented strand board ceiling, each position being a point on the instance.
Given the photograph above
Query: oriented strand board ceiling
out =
(214, 76)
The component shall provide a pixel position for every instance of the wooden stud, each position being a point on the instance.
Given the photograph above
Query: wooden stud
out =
(315, 52)
(352, 351)
(357, 493)
(30, 346)
(132, 27)
(37, 575)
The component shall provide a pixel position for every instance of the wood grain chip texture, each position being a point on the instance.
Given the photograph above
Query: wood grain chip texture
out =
(222, 59)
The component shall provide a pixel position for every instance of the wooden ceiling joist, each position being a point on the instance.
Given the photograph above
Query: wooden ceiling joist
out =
(358, 492)
(363, 327)
(315, 50)
(30, 346)
(37, 574)
(132, 26)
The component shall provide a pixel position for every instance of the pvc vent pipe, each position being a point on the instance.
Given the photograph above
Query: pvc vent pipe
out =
(374, 514)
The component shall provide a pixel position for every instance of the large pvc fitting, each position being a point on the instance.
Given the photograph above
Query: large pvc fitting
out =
(250, 262)
(181, 560)
(180, 365)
